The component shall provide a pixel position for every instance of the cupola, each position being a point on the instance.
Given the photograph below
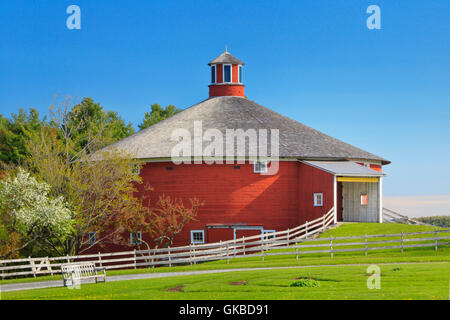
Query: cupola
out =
(226, 76)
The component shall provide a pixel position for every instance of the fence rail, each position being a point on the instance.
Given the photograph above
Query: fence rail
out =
(391, 216)
(191, 254)
(296, 241)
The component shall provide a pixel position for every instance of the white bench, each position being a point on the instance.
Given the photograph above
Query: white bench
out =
(73, 273)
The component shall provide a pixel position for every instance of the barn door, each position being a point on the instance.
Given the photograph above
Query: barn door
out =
(360, 201)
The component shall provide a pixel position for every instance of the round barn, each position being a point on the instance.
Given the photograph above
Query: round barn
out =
(253, 190)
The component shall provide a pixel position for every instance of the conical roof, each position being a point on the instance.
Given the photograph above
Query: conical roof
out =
(226, 57)
(295, 139)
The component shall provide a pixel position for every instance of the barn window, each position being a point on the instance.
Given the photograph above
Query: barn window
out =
(268, 235)
(213, 74)
(227, 73)
(136, 238)
(240, 74)
(318, 199)
(364, 199)
(136, 168)
(92, 238)
(260, 167)
(197, 236)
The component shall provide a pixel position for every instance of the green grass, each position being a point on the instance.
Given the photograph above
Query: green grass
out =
(348, 229)
(412, 281)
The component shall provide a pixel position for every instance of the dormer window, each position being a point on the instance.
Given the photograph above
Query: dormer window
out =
(213, 74)
(240, 74)
(227, 73)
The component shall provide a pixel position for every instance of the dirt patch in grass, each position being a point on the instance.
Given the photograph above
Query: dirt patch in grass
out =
(176, 289)
(238, 283)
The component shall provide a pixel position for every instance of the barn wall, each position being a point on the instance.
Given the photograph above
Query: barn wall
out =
(239, 196)
(230, 195)
(313, 180)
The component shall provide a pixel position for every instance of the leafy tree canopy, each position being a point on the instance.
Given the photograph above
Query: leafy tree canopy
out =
(92, 123)
(15, 134)
(158, 114)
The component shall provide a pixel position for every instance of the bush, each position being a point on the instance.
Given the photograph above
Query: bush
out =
(305, 283)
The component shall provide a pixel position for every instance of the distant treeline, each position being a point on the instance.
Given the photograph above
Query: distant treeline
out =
(439, 221)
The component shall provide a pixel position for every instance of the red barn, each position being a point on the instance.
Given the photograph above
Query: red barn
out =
(314, 172)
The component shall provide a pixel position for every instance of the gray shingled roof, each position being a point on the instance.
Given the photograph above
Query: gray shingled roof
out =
(345, 168)
(226, 57)
(296, 140)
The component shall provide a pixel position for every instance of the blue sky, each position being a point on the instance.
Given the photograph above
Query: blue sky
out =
(386, 91)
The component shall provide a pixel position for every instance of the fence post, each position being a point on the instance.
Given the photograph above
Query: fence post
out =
(234, 250)
(99, 260)
(152, 258)
(435, 239)
(331, 246)
(190, 254)
(296, 250)
(323, 223)
(402, 242)
(365, 244)
(134, 257)
(168, 252)
(193, 245)
(288, 231)
(228, 260)
(306, 233)
(243, 244)
(33, 268)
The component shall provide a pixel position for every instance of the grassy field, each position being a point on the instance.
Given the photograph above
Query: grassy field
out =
(354, 229)
(413, 281)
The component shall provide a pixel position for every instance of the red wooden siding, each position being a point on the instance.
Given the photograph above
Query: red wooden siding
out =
(231, 196)
(312, 180)
(239, 196)
(219, 73)
(235, 73)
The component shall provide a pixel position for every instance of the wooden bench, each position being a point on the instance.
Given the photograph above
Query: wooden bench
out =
(73, 273)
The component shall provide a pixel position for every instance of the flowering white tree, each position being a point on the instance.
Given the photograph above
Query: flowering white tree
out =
(30, 213)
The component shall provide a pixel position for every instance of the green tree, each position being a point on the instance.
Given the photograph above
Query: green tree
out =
(15, 134)
(95, 128)
(158, 114)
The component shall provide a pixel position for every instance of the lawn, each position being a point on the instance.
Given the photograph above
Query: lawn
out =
(348, 229)
(413, 281)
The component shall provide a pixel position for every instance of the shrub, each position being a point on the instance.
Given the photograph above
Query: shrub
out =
(305, 283)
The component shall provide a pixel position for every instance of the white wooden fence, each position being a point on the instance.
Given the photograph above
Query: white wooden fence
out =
(192, 254)
(286, 242)
(390, 216)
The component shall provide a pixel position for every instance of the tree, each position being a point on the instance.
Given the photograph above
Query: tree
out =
(162, 222)
(29, 215)
(98, 187)
(15, 134)
(158, 114)
(93, 127)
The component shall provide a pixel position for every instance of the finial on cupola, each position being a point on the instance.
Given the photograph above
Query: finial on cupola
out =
(226, 76)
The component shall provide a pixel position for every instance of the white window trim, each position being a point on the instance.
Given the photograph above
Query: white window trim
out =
(215, 73)
(223, 73)
(139, 235)
(92, 235)
(316, 203)
(254, 166)
(197, 241)
(268, 232)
